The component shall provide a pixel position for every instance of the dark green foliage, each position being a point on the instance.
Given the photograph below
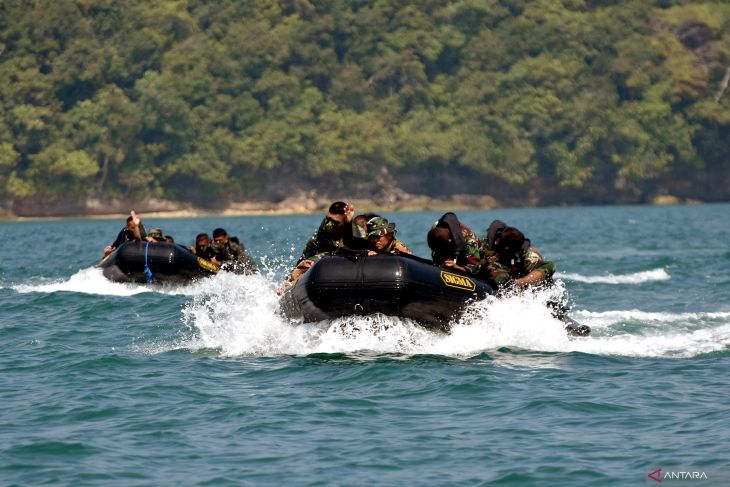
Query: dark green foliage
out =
(205, 101)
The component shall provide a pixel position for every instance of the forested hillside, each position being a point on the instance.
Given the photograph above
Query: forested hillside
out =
(534, 102)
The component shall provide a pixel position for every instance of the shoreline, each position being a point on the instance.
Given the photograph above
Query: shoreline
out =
(290, 206)
(296, 206)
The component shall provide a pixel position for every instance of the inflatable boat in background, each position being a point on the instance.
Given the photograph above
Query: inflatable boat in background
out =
(144, 262)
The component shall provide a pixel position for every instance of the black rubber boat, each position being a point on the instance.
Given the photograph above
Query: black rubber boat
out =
(404, 285)
(144, 262)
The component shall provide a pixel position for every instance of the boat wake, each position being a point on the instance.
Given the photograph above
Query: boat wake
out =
(635, 278)
(237, 316)
(92, 281)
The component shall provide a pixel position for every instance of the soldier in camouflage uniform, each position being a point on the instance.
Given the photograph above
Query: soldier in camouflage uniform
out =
(381, 235)
(455, 245)
(231, 255)
(202, 247)
(332, 232)
(511, 260)
(134, 231)
(336, 231)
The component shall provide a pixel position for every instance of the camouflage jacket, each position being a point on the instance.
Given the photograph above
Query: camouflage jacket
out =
(394, 245)
(530, 260)
(320, 242)
(471, 257)
(236, 253)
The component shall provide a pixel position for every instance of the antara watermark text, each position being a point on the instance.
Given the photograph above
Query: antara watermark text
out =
(662, 475)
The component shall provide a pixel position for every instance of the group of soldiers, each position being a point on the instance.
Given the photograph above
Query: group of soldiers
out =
(222, 251)
(504, 257)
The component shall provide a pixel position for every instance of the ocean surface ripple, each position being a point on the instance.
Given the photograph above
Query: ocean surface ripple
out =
(107, 383)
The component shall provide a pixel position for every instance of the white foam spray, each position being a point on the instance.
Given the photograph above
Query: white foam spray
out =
(237, 315)
(635, 278)
(92, 281)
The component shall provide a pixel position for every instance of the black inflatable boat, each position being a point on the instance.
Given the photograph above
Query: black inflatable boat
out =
(408, 287)
(154, 262)
(404, 285)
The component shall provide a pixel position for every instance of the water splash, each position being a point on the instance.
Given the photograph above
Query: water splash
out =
(87, 281)
(92, 281)
(237, 315)
(635, 278)
(607, 319)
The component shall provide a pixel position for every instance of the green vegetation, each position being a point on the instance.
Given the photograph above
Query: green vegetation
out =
(210, 102)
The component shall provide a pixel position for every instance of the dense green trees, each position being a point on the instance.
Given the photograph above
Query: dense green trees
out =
(210, 102)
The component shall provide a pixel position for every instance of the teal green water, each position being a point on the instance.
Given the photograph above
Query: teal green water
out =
(111, 384)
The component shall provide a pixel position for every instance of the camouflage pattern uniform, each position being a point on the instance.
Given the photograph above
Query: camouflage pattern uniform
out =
(471, 258)
(396, 244)
(378, 227)
(531, 259)
(206, 253)
(235, 253)
(321, 241)
(320, 244)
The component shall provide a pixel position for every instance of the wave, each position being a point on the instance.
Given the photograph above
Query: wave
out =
(609, 318)
(237, 316)
(635, 278)
(92, 281)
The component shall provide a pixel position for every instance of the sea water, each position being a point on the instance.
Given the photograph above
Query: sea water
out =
(123, 384)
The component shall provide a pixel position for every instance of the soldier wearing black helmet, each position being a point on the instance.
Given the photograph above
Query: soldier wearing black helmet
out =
(454, 245)
(511, 260)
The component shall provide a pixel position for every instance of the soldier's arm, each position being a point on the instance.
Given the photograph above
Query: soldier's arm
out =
(538, 269)
(400, 247)
(534, 277)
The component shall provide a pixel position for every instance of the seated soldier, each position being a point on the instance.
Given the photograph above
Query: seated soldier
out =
(381, 235)
(169, 239)
(332, 231)
(133, 231)
(454, 245)
(336, 231)
(229, 251)
(155, 236)
(203, 248)
(511, 260)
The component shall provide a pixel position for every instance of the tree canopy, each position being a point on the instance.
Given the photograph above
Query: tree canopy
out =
(591, 101)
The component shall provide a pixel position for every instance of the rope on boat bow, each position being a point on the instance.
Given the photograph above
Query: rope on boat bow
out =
(147, 271)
